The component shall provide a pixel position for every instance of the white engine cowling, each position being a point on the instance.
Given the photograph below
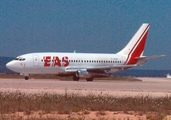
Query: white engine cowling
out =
(83, 74)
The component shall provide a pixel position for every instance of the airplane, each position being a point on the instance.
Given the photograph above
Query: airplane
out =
(84, 65)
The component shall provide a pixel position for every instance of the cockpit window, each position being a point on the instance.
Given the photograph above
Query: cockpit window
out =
(16, 58)
(20, 59)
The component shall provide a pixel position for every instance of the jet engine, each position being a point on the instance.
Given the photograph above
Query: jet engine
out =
(83, 74)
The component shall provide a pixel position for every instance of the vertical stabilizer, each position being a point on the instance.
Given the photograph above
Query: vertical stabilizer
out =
(135, 47)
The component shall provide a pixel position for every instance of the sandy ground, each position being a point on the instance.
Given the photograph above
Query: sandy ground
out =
(156, 87)
(148, 86)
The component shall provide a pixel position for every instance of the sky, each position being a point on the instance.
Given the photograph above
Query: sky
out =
(87, 26)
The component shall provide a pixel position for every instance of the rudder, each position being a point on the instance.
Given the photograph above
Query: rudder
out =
(136, 45)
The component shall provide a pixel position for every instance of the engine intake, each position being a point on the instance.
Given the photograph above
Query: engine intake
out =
(83, 74)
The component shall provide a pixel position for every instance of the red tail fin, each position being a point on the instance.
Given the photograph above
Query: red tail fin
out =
(135, 47)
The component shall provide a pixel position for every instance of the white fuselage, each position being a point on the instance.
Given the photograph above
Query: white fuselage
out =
(54, 63)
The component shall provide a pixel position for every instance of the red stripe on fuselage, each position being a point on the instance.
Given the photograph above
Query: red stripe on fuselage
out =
(136, 52)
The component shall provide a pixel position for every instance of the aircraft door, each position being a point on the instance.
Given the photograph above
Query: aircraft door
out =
(35, 60)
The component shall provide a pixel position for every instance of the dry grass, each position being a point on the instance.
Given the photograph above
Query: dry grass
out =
(48, 103)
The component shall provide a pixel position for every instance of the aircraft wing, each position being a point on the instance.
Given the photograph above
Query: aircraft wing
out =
(110, 67)
(98, 68)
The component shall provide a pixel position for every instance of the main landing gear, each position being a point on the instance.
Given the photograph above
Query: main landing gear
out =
(75, 78)
(89, 79)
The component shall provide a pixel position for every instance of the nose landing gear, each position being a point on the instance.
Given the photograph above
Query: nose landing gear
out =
(26, 77)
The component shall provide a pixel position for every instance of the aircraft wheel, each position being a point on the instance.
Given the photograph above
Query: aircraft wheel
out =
(89, 79)
(75, 78)
(26, 77)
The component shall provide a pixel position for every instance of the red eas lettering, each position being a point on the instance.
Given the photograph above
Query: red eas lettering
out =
(65, 61)
(47, 61)
(56, 61)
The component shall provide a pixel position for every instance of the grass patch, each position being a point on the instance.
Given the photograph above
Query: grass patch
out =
(15, 102)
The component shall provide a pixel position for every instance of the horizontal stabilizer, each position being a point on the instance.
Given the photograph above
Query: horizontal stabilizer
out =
(142, 59)
(150, 57)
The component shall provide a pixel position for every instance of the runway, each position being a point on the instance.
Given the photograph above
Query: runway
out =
(148, 86)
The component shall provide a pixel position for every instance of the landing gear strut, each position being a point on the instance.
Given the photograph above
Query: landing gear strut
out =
(75, 78)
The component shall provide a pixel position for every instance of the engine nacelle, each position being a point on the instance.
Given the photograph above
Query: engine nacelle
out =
(83, 74)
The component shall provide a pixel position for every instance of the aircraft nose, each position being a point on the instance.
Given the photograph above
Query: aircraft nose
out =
(10, 65)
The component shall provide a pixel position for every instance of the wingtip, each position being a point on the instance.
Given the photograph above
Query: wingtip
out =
(162, 55)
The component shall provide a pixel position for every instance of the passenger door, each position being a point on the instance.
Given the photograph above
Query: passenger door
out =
(35, 60)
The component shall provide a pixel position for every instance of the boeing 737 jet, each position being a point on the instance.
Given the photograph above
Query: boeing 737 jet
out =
(84, 65)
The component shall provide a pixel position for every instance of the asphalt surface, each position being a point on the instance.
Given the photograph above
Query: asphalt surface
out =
(148, 86)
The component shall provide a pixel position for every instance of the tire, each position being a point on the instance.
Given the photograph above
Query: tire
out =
(75, 78)
(26, 77)
(89, 79)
